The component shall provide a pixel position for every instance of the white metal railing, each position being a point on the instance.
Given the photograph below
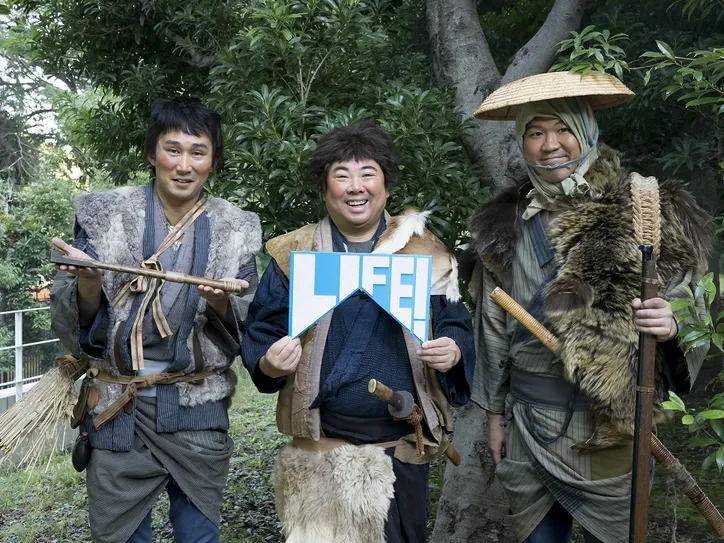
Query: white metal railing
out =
(19, 381)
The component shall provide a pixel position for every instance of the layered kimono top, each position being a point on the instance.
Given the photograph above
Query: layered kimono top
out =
(364, 342)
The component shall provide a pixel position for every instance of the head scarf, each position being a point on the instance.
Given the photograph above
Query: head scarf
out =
(578, 116)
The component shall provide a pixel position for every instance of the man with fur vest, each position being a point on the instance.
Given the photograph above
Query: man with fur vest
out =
(351, 472)
(563, 245)
(154, 402)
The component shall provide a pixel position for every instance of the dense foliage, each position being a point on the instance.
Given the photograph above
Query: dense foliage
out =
(281, 73)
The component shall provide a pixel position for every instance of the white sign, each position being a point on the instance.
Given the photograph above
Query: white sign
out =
(400, 284)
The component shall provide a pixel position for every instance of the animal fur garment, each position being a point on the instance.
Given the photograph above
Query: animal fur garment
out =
(406, 234)
(339, 496)
(588, 301)
(115, 222)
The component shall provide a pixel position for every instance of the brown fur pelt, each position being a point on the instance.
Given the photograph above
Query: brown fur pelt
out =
(588, 302)
(339, 496)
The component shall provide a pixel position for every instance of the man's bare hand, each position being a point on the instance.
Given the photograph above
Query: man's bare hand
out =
(440, 354)
(218, 299)
(91, 275)
(654, 316)
(282, 358)
(496, 437)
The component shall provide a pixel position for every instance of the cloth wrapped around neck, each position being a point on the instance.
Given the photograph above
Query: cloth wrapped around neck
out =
(578, 116)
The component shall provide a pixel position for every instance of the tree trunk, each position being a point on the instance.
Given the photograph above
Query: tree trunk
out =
(461, 56)
(472, 507)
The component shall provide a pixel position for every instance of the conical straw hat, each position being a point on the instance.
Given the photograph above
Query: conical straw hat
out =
(600, 90)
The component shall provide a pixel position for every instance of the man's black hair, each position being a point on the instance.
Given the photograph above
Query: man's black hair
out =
(187, 115)
(363, 140)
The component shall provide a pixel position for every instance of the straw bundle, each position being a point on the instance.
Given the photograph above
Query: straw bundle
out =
(39, 420)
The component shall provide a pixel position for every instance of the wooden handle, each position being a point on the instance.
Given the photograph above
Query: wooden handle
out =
(174, 277)
(500, 297)
(380, 391)
(688, 484)
(643, 416)
(453, 454)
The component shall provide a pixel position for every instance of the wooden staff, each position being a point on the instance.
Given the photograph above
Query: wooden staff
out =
(638, 528)
(174, 277)
(662, 455)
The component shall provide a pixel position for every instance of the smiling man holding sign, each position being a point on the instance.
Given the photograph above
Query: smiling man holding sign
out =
(366, 290)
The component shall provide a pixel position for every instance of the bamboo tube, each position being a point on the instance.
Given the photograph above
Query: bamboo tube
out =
(663, 456)
(500, 297)
(174, 277)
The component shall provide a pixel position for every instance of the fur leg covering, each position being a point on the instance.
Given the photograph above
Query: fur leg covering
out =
(340, 496)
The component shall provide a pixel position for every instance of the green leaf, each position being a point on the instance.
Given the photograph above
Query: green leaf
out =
(703, 442)
(687, 420)
(718, 340)
(720, 458)
(619, 70)
(708, 461)
(678, 401)
(678, 305)
(702, 101)
(647, 77)
(718, 427)
(712, 414)
(666, 50)
(671, 406)
(4, 10)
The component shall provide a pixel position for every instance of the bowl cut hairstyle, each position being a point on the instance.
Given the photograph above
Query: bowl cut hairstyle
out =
(363, 140)
(187, 115)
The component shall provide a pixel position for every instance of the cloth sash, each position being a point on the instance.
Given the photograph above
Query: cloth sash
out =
(546, 391)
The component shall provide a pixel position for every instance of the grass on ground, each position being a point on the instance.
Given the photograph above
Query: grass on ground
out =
(51, 507)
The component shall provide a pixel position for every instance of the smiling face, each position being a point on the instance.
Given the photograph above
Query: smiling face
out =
(355, 197)
(183, 163)
(547, 142)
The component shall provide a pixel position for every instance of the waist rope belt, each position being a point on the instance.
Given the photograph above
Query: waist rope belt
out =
(151, 286)
(133, 383)
(415, 418)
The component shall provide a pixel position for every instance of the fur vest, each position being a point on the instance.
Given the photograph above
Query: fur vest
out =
(115, 222)
(405, 234)
(588, 301)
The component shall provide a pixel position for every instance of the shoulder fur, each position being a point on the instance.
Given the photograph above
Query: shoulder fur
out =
(495, 230)
(411, 222)
(235, 238)
(301, 239)
(406, 234)
(685, 226)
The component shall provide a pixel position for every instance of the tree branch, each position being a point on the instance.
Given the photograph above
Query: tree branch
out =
(461, 56)
(195, 59)
(460, 52)
(538, 54)
(36, 112)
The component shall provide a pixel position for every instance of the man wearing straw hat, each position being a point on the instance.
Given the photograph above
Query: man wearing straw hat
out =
(154, 401)
(563, 246)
